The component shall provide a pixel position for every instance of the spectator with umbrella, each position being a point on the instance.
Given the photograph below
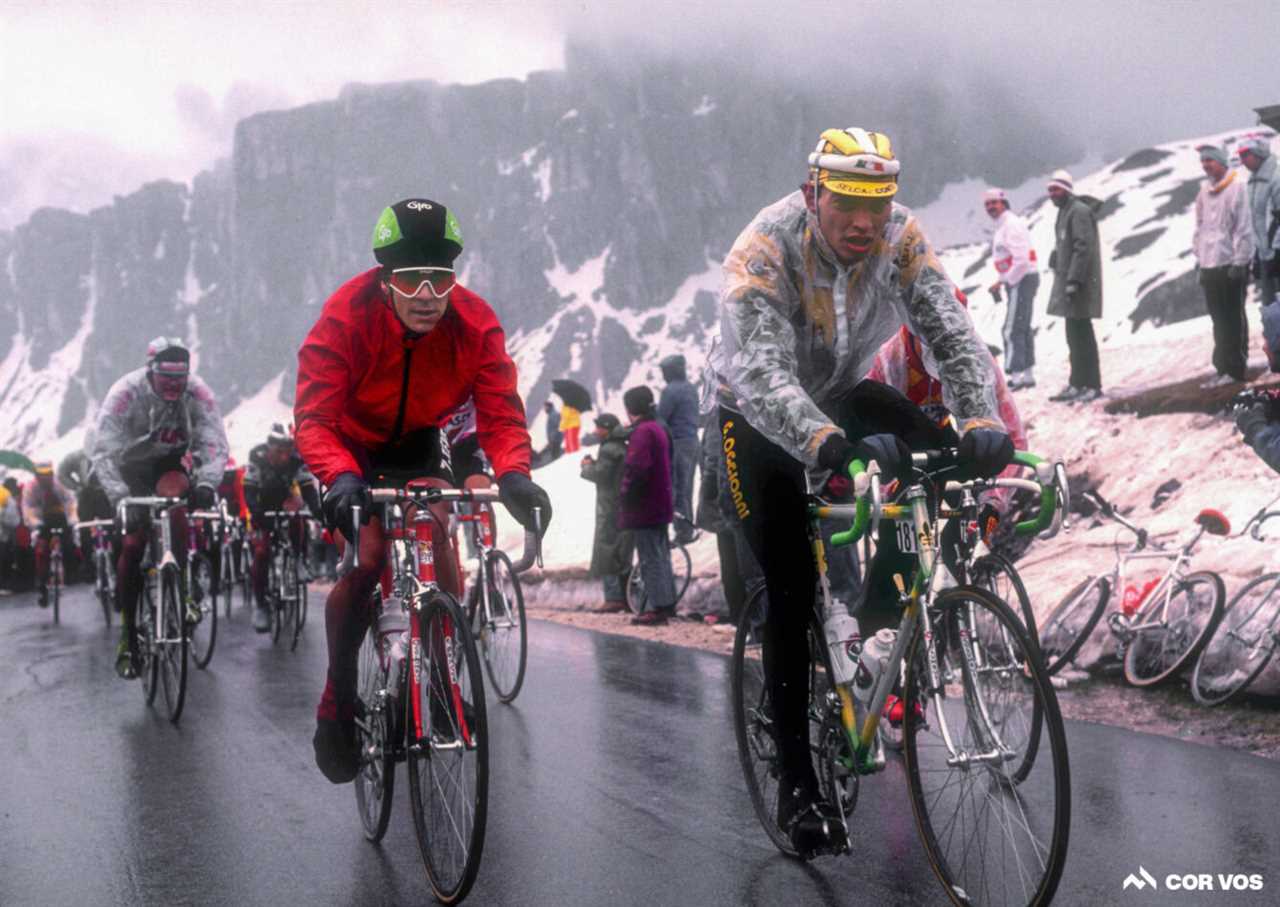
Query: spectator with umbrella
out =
(576, 400)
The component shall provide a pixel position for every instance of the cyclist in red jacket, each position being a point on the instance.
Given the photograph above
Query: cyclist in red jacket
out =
(395, 351)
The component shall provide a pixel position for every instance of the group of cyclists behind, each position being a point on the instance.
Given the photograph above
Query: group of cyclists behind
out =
(405, 376)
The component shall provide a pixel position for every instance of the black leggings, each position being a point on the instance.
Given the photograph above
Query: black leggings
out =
(767, 488)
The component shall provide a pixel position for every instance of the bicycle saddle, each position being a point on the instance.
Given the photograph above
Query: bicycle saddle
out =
(1214, 522)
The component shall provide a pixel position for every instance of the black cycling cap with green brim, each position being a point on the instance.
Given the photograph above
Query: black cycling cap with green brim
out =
(416, 233)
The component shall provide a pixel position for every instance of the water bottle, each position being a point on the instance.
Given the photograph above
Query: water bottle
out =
(844, 640)
(875, 655)
(393, 638)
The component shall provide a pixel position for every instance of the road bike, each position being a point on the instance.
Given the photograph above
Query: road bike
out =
(204, 539)
(233, 566)
(104, 563)
(286, 574)
(681, 571)
(1247, 635)
(994, 822)
(421, 695)
(1162, 628)
(494, 603)
(56, 577)
(161, 625)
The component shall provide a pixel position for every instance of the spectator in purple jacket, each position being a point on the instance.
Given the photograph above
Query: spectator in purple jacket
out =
(646, 505)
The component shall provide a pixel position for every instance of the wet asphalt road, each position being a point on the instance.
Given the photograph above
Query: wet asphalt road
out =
(615, 780)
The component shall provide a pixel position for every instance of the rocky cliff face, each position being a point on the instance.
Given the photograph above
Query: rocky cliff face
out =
(593, 202)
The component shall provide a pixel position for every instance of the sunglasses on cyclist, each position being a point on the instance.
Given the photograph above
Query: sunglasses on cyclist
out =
(408, 282)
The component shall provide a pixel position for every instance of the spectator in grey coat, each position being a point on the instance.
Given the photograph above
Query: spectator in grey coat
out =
(554, 436)
(1076, 263)
(611, 548)
(678, 410)
(1264, 207)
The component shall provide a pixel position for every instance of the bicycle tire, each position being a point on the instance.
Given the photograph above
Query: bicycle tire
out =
(506, 674)
(226, 577)
(987, 573)
(102, 587)
(277, 596)
(441, 630)
(999, 654)
(299, 604)
(1071, 622)
(752, 724)
(173, 655)
(1181, 641)
(633, 591)
(55, 596)
(148, 659)
(682, 577)
(953, 848)
(753, 721)
(375, 784)
(204, 634)
(1245, 641)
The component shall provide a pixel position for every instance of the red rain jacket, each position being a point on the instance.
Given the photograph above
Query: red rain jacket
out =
(358, 371)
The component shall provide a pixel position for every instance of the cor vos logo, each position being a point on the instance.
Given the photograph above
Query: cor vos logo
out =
(419, 206)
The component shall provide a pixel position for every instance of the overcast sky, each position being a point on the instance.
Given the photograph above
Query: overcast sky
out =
(97, 97)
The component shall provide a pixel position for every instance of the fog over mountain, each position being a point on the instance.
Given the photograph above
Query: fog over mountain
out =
(160, 98)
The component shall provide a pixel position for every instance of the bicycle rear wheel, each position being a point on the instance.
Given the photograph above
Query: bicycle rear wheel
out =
(990, 838)
(634, 592)
(376, 781)
(102, 586)
(503, 637)
(682, 569)
(756, 731)
(226, 577)
(997, 575)
(447, 739)
(1177, 633)
(277, 595)
(172, 652)
(204, 598)
(1242, 646)
(1069, 624)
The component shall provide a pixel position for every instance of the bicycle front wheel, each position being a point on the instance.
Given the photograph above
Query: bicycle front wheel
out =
(447, 738)
(1168, 637)
(1242, 646)
(204, 599)
(502, 633)
(278, 595)
(376, 781)
(1069, 624)
(172, 645)
(990, 837)
(148, 648)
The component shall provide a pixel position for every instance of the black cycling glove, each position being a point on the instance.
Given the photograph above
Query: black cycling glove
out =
(520, 494)
(347, 491)
(986, 451)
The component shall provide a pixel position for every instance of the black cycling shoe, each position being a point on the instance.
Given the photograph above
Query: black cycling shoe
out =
(813, 826)
(337, 751)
